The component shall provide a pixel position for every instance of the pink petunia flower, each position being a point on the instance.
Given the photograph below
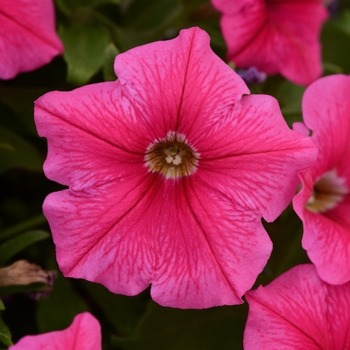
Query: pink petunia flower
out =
(323, 204)
(169, 171)
(28, 39)
(275, 36)
(83, 333)
(298, 311)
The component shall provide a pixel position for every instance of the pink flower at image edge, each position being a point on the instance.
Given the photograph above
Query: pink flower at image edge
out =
(274, 36)
(298, 311)
(83, 333)
(28, 38)
(323, 204)
(169, 171)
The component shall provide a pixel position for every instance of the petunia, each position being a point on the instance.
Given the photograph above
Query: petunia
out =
(323, 204)
(275, 36)
(28, 39)
(169, 171)
(83, 333)
(298, 311)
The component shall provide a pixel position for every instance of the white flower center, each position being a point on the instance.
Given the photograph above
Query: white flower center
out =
(172, 156)
(329, 190)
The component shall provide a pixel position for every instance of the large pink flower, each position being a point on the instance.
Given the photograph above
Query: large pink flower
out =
(169, 172)
(275, 36)
(83, 333)
(27, 36)
(298, 311)
(324, 202)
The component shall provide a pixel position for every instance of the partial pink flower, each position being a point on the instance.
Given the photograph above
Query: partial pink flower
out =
(83, 333)
(298, 311)
(28, 39)
(169, 171)
(323, 204)
(275, 36)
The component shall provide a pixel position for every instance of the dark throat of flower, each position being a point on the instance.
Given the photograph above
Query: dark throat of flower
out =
(172, 156)
(328, 191)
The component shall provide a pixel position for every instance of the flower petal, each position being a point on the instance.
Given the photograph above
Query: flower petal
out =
(338, 315)
(186, 82)
(202, 259)
(101, 235)
(289, 313)
(326, 108)
(275, 37)
(27, 35)
(326, 234)
(298, 311)
(93, 136)
(326, 240)
(255, 157)
(83, 333)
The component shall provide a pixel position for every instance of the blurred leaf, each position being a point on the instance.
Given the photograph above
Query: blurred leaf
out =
(58, 311)
(147, 15)
(336, 45)
(2, 306)
(123, 312)
(108, 67)
(68, 6)
(20, 101)
(15, 245)
(84, 47)
(102, 2)
(174, 329)
(330, 68)
(193, 4)
(15, 152)
(343, 21)
(290, 96)
(5, 334)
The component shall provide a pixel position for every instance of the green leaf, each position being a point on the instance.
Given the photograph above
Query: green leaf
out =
(108, 67)
(166, 328)
(5, 334)
(84, 48)
(289, 96)
(335, 40)
(16, 152)
(2, 306)
(343, 22)
(147, 15)
(15, 245)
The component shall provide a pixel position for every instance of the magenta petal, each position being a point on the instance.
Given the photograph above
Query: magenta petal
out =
(298, 311)
(260, 157)
(28, 39)
(274, 36)
(92, 135)
(101, 235)
(172, 72)
(326, 234)
(202, 253)
(125, 221)
(83, 333)
(326, 112)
